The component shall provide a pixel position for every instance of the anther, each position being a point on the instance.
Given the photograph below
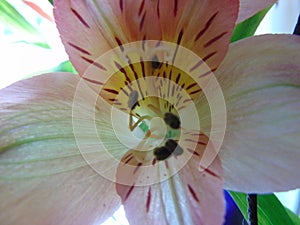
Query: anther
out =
(162, 153)
(133, 100)
(174, 147)
(155, 63)
(172, 120)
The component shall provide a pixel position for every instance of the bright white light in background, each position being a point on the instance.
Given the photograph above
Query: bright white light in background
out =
(281, 18)
(19, 60)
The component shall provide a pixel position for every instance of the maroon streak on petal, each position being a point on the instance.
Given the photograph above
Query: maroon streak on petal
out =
(148, 200)
(188, 99)
(193, 193)
(125, 92)
(190, 86)
(129, 192)
(209, 56)
(120, 43)
(121, 5)
(141, 7)
(210, 172)
(196, 65)
(94, 63)
(195, 92)
(127, 156)
(122, 70)
(92, 81)
(175, 7)
(210, 42)
(157, 9)
(142, 22)
(205, 74)
(79, 17)
(207, 25)
(193, 151)
(137, 167)
(79, 48)
(128, 160)
(195, 141)
(111, 90)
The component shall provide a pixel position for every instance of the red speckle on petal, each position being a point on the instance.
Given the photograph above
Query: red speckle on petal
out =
(153, 162)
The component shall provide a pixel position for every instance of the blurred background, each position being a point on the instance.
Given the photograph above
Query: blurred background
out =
(32, 48)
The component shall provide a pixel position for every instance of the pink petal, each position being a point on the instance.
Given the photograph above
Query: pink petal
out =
(249, 8)
(89, 29)
(261, 78)
(43, 176)
(160, 192)
(80, 35)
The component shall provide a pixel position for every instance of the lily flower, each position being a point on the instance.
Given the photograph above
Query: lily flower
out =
(164, 115)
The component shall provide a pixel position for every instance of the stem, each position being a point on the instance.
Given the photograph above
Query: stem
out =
(252, 209)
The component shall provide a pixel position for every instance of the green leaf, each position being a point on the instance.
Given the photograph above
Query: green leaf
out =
(51, 1)
(270, 210)
(11, 17)
(16, 22)
(293, 216)
(64, 67)
(248, 27)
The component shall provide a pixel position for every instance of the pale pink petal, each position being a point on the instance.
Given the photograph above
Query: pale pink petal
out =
(191, 195)
(43, 177)
(250, 7)
(81, 37)
(261, 82)
(89, 28)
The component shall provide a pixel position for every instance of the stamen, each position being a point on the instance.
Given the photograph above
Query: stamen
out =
(172, 120)
(133, 126)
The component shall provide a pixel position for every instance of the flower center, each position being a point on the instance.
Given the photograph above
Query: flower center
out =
(153, 94)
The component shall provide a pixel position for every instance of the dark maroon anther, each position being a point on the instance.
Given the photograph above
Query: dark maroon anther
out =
(172, 120)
